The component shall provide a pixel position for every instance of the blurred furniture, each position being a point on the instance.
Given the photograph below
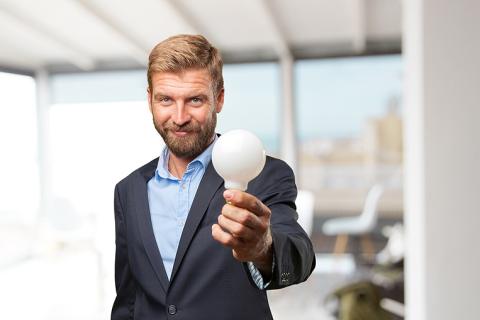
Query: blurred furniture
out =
(360, 225)
(16, 241)
(65, 230)
(305, 205)
(367, 300)
(394, 251)
(358, 301)
(376, 292)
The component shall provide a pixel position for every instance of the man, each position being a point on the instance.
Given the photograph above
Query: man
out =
(185, 247)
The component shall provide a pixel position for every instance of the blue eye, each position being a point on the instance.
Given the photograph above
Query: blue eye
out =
(164, 101)
(196, 100)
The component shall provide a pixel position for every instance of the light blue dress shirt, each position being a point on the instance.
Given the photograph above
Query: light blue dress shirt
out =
(170, 199)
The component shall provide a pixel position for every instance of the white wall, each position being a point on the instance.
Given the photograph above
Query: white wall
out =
(442, 154)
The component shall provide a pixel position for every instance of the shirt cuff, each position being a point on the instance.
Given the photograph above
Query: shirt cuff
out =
(257, 275)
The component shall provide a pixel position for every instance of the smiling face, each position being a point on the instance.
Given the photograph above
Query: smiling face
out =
(184, 108)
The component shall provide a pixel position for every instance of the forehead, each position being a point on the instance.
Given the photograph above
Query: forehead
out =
(182, 81)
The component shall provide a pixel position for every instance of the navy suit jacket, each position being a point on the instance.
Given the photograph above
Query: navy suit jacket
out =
(206, 281)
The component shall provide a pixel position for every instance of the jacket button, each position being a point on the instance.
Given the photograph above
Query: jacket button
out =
(172, 309)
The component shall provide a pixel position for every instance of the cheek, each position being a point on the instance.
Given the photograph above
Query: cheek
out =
(161, 117)
(202, 116)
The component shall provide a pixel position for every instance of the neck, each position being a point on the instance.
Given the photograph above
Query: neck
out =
(177, 166)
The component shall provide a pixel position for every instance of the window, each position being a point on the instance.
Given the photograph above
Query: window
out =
(18, 133)
(252, 102)
(350, 129)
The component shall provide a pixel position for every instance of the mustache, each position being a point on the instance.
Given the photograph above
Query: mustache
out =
(187, 127)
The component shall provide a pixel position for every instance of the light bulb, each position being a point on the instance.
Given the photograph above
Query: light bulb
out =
(238, 157)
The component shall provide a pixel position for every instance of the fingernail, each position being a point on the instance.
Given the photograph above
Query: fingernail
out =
(228, 194)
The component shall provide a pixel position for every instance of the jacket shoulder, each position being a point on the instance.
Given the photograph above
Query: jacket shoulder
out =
(277, 165)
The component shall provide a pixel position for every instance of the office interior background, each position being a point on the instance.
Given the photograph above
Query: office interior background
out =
(356, 95)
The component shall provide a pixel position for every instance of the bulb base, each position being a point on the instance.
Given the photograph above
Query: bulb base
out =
(242, 186)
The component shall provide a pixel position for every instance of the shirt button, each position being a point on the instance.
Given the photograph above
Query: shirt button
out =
(183, 186)
(172, 309)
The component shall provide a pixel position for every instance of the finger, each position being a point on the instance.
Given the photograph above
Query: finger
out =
(239, 256)
(246, 201)
(241, 216)
(237, 230)
(223, 237)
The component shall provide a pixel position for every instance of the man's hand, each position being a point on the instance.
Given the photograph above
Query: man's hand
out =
(244, 226)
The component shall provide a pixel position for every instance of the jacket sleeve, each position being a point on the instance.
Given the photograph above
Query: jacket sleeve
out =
(123, 306)
(293, 250)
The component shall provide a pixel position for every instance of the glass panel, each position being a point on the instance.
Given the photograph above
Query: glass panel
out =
(18, 131)
(252, 102)
(350, 130)
(94, 87)
(19, 185)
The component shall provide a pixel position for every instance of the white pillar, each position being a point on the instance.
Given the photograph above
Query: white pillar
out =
(359, 25)
(442, 158)
(288, 127)
(43, 104)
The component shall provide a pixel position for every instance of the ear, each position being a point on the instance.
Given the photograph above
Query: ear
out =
(149, 97)
(220, 100)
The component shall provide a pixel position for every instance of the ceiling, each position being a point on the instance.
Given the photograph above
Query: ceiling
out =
(87, 35)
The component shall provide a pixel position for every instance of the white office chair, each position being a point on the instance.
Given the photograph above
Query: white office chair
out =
(66, 229)
(359, 225)
(305, 207)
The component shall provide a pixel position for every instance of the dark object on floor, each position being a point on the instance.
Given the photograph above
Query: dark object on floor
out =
(360, 301)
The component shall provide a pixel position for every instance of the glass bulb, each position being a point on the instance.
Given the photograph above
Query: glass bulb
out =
(238, 157)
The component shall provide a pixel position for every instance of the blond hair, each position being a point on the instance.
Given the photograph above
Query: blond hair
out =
(183, 52)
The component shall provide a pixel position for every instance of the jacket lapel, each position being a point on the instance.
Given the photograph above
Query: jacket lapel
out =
(210, 183)
(145, 224)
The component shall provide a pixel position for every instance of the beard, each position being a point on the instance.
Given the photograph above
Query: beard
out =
(194, 143)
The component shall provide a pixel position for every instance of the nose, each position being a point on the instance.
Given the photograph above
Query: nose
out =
(181, 115)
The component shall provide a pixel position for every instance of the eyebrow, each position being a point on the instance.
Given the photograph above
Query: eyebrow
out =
(159, 95)
(200, 95)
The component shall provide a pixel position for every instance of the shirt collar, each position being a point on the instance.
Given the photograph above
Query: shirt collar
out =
(202, 159)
